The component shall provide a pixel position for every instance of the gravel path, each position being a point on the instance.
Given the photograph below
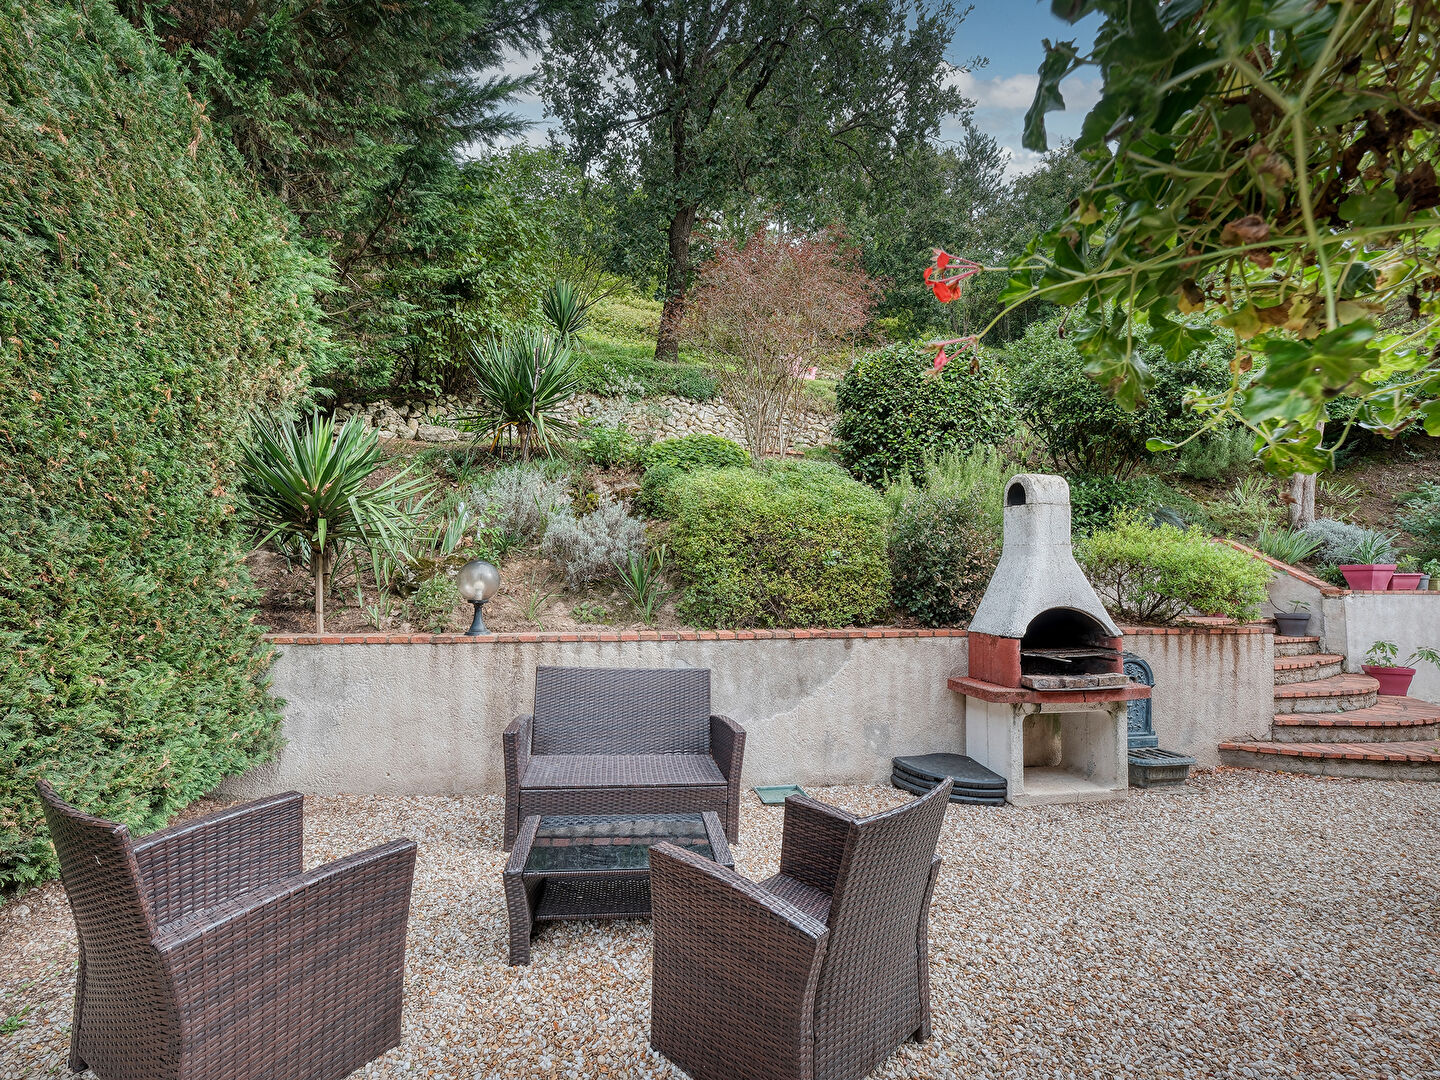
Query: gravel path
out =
(1251, 925)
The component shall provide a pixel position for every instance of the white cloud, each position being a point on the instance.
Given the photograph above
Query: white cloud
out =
(999, 92)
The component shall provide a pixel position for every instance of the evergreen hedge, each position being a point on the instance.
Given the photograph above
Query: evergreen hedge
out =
(892, 408)
(149, 300)
(794, 544)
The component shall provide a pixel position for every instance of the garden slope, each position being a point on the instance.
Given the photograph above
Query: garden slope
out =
(148, 301)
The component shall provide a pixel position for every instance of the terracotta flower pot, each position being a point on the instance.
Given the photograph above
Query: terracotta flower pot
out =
(1401, 581)
(1292, 623)
(1394, 681)
(1368, 576)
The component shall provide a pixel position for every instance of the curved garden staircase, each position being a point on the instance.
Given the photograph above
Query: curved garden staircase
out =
(1329, 723)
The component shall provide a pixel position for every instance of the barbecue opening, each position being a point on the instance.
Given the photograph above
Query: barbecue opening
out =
(1063, 641)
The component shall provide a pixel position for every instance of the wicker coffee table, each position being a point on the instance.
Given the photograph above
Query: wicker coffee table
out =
(594, 866)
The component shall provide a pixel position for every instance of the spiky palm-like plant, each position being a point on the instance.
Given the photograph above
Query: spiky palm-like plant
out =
(565, 309)
(523, 379)
(308, 485)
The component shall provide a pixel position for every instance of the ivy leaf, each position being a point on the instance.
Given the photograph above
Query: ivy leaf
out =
(1060, 61)
(1177, 339)
(1373, 208)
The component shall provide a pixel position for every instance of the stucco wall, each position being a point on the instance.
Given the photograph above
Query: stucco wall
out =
(1357, 620)
(427, 718)
(819, 707)
(1210, 686)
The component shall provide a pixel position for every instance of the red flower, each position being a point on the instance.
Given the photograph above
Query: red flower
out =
(942, 358)
(948, 287)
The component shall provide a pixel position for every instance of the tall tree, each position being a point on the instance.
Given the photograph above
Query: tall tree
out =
(355, 113)
(710, 102)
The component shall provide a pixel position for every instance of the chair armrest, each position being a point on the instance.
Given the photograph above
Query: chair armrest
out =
(727, 746)
(515, 741)
(813, 841)
(734, 973)
(341, 924)
(197, 864)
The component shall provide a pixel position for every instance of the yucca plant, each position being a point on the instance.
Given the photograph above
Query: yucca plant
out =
(523, 379)
(565, 309)
(643, 579)
(308, 486)
(1288, 545)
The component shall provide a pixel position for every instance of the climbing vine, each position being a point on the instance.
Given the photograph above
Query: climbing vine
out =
(1267, 166)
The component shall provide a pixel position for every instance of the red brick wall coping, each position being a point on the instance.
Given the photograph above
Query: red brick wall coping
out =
(1326, 589)
(852, 633)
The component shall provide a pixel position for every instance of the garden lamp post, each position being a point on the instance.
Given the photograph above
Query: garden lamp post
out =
(478, 581)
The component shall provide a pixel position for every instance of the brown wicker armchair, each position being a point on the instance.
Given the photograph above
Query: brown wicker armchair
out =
(622, 741)
(817, 973)
(206, 953)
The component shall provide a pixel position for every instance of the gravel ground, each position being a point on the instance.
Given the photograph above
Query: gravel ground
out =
(1251, 925)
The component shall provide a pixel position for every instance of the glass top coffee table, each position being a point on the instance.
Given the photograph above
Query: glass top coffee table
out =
(594, 866)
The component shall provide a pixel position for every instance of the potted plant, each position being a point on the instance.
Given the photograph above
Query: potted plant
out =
(1407, 575)
(1431, 580)
(1394, 679)
(1371, 569)
(1294, 622)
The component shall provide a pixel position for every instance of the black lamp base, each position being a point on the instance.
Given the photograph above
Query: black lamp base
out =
(478, 627)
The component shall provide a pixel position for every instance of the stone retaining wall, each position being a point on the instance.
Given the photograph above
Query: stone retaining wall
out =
(661, 418)
(422, 714)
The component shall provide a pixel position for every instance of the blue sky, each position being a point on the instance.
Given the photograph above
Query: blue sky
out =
(1008, 35)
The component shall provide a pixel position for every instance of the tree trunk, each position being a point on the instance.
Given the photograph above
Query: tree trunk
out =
(677, 280)
(1301, 500)
(317, 560)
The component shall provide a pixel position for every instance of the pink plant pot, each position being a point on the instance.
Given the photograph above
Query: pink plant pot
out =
(1404, 582)
(1394, 681)
(1368, 576)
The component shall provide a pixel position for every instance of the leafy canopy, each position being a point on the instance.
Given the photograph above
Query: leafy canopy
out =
(1268, 165)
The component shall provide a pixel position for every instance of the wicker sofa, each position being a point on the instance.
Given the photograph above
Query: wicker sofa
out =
(816, 973)
(206, 953)
(622, 741)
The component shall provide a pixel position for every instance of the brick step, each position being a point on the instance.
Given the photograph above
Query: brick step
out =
(1338, 693)
(1376, 761)
(1310, 667)
(1296, 646)
(1390, 719)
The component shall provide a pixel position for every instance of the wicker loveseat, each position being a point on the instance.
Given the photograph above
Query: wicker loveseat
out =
(622, 741)
(206, 953)
(816, 973)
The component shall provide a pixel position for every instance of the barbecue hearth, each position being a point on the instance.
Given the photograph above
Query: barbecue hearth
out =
(1046, 694)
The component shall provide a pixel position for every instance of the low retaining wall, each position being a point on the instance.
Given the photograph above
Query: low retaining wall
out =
(1211, 684)
(422, 714)
(1356, 620)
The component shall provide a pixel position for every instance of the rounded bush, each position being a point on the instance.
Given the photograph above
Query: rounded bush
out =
(943, 551)
(689, 452)
(1083, 428)
(891, 408)
(798, 544)
(1152, 574)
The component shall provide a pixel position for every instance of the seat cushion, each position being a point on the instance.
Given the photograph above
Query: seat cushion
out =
(814, 902)
(621, 770)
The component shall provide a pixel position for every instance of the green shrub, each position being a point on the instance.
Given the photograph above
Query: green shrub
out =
(690, 452)
(149, 301)
(1082, 427)
(1421, 518)
(610, 447)
(1343, 543)
(891, 408)
(433, 602)
(983, 473)
(798, 544)
(523, 379)
(1251, 505)
(1152, 574)
(1096, 500)
(1220, 453)
(943, 551)
(654, 486)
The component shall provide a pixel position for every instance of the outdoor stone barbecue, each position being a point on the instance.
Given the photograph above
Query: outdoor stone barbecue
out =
(1046, 696)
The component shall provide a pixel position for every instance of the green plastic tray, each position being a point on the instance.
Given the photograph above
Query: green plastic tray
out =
(777, 793)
